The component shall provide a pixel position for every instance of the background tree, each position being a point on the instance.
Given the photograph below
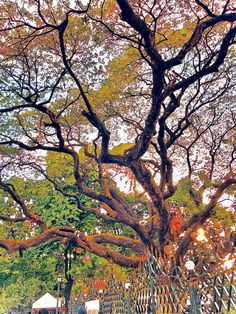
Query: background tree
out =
(25, 279)
(118, 89)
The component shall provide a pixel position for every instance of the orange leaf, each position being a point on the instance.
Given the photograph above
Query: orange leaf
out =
(99, 284)
(86, 260)
(176, 225)
(85, 290)
(79, 250)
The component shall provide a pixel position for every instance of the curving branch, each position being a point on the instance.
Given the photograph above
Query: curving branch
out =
(197, 35)
(90, 115)
(15, 245)
(135, 245)
(205, 8)
(89, 243)
(128, 15)
(214, 67)
(198, 220)
(111, 254)
(29, 214)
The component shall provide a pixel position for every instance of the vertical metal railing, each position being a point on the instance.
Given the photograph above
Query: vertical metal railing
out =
(194, 300)
(232, 289)
(206, 295)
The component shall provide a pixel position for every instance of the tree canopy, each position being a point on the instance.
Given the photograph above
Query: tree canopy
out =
(117, 125)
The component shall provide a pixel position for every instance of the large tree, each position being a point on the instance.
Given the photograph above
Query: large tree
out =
(119, 93)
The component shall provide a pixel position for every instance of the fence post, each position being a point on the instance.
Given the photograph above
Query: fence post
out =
(128, 305)
(194, 300)
(152, 308)
(230, 291)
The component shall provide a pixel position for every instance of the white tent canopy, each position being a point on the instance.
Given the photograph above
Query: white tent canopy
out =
(47, 301)
(92, 306)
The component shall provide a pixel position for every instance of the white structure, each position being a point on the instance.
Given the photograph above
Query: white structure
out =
(92, 307)
(48, 302)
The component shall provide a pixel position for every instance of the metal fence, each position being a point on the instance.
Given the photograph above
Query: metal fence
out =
(154, 291)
